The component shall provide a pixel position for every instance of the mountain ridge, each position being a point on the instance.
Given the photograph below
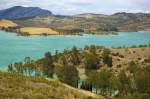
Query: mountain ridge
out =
(21, 12)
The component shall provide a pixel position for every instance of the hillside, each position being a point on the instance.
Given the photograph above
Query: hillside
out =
(107, 72)
(20, 87)
(122, 57)
(21, 12)
(95, 23)
(7, 23)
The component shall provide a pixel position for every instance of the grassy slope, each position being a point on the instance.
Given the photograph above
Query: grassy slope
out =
(17, 87)
(7, 23)
(38, 31)
(122, 58)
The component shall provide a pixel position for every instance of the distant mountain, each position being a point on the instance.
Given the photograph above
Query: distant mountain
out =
(21, 12)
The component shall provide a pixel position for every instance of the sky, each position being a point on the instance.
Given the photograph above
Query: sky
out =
(71, 7)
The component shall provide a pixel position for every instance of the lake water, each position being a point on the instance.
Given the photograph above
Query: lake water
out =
(15, 48)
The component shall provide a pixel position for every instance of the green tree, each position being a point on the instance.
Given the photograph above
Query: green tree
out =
(75, 56)
(56, 56)
(10, 68)
(92, 78)
(106, 57)
(48, 66)
(28, 66)
(103, 81)
(70, 75)
(18, 66)
(92, 61)
(67, 73)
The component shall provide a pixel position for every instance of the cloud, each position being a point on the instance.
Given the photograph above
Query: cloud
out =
(80, 2)
(82, 6)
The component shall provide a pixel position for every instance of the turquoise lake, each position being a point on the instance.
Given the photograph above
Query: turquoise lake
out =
(15, 48)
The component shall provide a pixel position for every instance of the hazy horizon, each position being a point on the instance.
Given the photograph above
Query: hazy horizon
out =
(72, 7)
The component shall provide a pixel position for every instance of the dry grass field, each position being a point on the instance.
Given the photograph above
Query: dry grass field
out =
(38, 31)
(21, 87)
(7, 23)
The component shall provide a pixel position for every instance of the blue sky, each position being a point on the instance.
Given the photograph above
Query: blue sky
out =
(70, 7)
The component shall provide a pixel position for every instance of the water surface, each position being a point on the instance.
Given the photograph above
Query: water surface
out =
(15, 48)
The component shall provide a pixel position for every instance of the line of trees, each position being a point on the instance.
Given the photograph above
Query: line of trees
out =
(70, 31)
(16, 30)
